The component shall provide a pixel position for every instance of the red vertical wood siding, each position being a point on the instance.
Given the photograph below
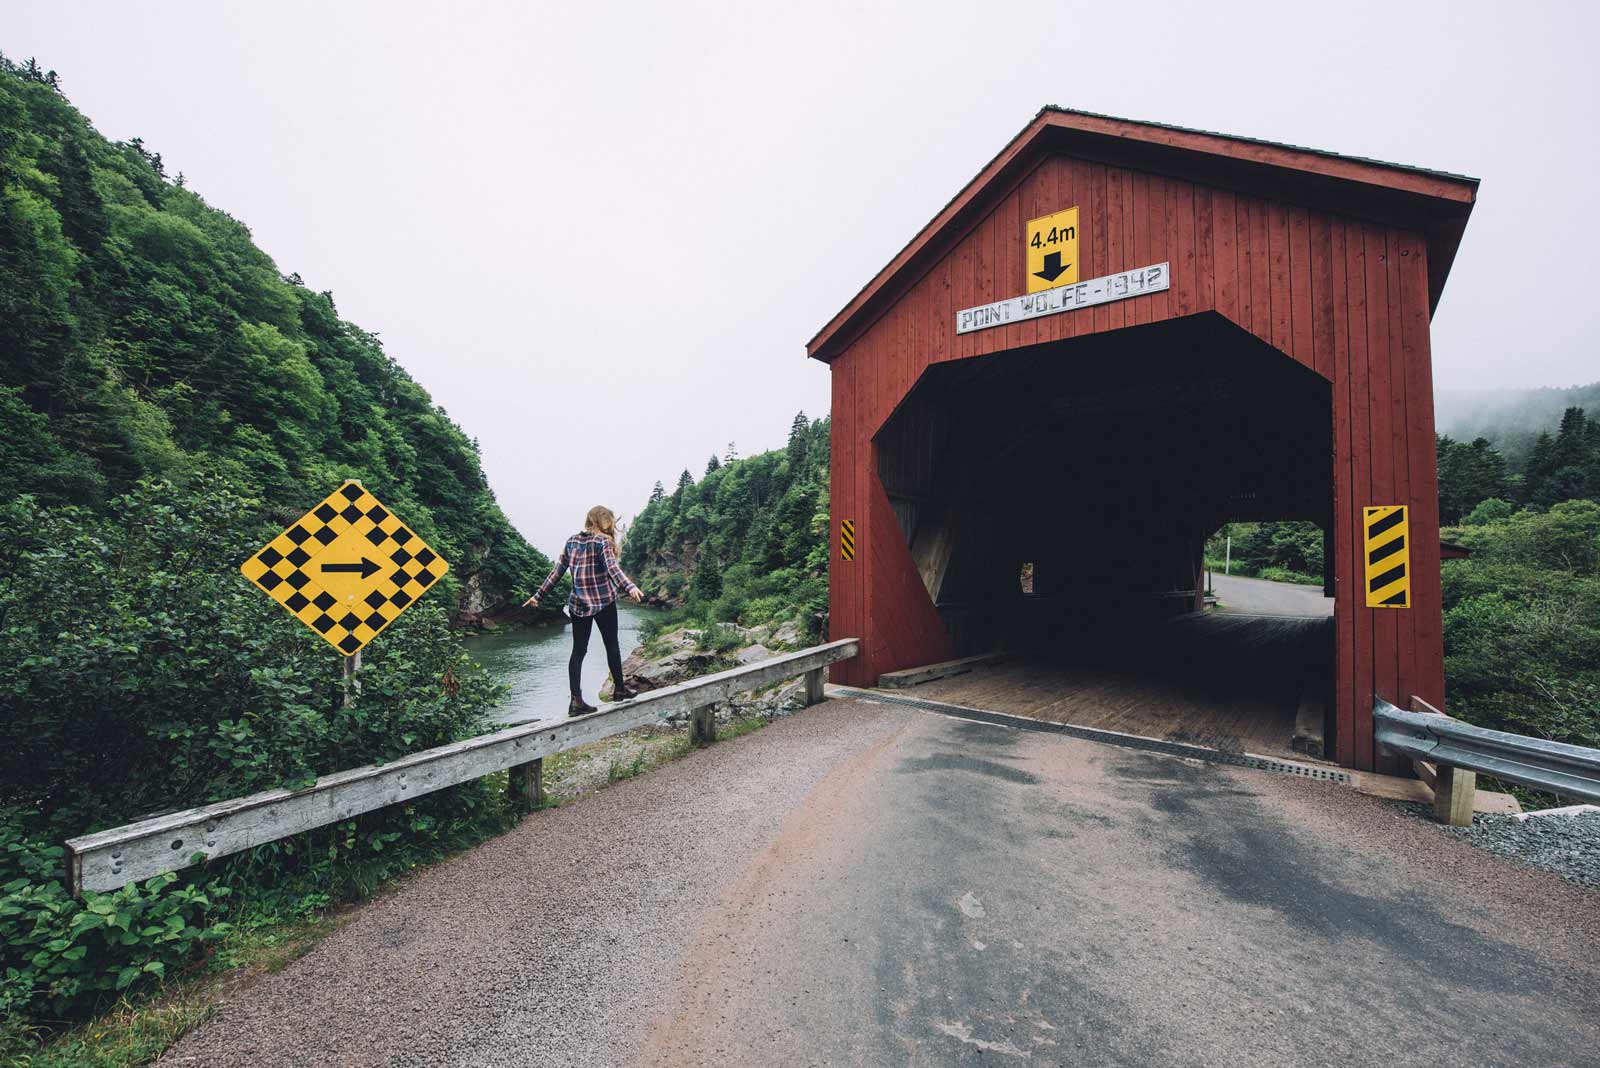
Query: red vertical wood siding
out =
(1348, 299)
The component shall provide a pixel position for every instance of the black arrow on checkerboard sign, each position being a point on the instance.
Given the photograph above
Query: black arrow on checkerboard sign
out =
(365, 567)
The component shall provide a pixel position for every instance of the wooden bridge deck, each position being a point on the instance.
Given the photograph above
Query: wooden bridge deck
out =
(1227, 681)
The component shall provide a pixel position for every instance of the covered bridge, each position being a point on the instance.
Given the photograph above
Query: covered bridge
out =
(1117, 337)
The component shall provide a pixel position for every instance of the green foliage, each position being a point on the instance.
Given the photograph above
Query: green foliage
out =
(1468, 475)
(1488, 511)
(143, 335)
(1282, 552)
(748, 544)
(144, 674)
(61, 955)
(1522, 623)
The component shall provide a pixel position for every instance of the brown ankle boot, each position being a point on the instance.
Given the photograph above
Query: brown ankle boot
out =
(577, 707)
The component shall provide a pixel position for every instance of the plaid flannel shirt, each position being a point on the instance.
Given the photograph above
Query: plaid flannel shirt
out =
(597, 578)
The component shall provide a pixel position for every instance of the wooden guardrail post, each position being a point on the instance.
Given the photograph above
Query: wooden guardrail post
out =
(816, 679)
(703, 726)
(526, 785)
(1454, 789)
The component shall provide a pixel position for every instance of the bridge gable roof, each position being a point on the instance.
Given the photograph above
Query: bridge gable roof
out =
(1435, 203)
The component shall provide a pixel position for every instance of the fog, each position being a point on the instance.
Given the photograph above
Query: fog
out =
(601, 234)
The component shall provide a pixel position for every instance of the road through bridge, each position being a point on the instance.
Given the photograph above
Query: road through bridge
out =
(872, 884)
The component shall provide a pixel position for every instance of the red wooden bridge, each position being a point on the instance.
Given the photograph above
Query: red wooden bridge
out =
(1231, 330)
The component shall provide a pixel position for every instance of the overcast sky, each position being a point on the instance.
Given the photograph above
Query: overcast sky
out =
(600, 234)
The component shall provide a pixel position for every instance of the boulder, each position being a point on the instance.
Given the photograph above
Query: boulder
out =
(788, 635)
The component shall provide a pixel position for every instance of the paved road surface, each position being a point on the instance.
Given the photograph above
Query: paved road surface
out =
(1262, 598)
(865, 884)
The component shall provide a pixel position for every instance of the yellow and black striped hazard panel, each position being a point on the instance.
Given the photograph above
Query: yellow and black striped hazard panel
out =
(847, 539)
(347, 568)
(1388, 557)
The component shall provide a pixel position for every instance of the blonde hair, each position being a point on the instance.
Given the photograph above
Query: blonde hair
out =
(601, 521)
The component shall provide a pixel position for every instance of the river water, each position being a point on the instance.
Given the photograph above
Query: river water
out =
(532, 661)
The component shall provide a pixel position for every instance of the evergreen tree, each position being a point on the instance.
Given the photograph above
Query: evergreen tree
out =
(1541, 462)
(713, 464)
(707, 584)
(685, 480)
(799, 433)
(732, 454)
(657, 493)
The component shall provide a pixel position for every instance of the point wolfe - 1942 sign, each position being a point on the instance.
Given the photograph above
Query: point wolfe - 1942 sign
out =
(1120, 286)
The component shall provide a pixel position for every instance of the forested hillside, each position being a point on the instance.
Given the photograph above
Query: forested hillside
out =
(746, 544)
(167, 402)
(143, 335)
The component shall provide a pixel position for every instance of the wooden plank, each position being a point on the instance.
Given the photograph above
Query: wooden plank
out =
(1260, 272)
(1360, 487)
(1300, 306)
(1205, 295)
(1322, 297)
(1343, 523)
(898, 680)
(525, 785)
(1099, 243)
(816, 686)
(1454, 790)
(1380, 484)
(112, 858)
(1116, 240)
(1427, 619)
(1279, 291)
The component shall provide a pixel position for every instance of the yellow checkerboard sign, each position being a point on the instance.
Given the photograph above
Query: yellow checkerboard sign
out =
(347, 568)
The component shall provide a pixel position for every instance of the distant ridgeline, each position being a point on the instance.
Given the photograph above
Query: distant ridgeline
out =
(746, 544)
(143, 335)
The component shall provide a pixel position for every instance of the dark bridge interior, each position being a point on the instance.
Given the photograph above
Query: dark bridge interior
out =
(1105, 462)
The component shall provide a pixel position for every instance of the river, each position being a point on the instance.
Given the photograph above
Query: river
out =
(532, 661)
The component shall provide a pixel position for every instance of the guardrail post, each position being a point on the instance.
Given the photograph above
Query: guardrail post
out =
(703, 726)
(526, 785)
(815, 680)
(1454, 789)
(1453, 792)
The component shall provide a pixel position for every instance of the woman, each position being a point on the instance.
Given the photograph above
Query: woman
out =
(597, 578)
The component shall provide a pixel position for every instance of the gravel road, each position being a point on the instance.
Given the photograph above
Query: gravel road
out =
(876, 885)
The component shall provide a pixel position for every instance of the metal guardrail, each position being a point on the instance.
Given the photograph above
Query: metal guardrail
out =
(1555, 767)
(113, 858)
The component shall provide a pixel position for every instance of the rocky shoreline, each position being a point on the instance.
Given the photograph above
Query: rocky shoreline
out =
(689, 652)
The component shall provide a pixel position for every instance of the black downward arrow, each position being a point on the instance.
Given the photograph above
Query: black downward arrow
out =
(366, 567)
(1053, 268)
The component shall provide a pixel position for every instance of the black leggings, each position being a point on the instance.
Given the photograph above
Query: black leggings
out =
(607, 618)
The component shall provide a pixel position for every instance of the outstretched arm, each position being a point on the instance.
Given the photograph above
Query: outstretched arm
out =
(555, 577)
(620, 580)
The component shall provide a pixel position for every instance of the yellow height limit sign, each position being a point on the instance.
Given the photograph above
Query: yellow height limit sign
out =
(1050, 250)
(347, 568)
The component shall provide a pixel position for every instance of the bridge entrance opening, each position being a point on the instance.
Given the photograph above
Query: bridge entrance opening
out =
(1097, 467)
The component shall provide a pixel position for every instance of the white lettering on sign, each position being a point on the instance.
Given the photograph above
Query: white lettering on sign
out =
(1120, 286)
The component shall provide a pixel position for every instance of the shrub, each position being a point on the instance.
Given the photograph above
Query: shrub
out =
(144, 674)
(1522, 623)
(60, 956)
